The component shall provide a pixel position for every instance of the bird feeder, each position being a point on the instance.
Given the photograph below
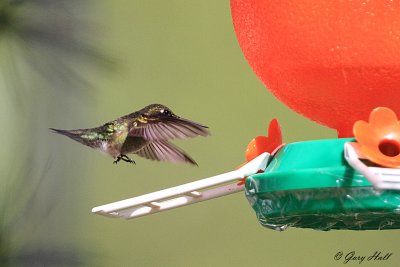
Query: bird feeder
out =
(336, 63)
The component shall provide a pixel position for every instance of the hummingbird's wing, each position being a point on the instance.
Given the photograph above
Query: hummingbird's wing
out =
(169, 128)
(164, 151)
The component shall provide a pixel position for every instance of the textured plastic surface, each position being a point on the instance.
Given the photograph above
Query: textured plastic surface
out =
(332, 61)
(310, 185)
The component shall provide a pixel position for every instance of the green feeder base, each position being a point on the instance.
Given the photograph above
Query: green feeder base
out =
(310, 185)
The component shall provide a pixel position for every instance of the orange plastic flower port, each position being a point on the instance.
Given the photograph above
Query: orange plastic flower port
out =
(379, 140)
(261, 144)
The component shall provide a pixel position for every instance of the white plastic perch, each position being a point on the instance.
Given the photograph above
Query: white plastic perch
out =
(182, 195)
(381, 178)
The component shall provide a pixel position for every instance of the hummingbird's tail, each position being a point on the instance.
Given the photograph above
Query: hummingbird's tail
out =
(73, 134)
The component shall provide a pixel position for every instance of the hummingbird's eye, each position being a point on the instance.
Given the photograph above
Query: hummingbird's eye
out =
(165, 112)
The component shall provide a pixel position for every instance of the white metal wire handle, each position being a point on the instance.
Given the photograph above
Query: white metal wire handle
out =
(381, 178)
(185, 194)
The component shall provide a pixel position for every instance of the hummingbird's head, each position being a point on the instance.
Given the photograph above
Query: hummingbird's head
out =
(157, 111)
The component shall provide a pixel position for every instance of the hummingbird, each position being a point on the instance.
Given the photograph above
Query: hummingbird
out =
(145, 133)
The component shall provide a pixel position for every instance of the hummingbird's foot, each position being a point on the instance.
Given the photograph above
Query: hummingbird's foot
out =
(124, 158)
(127, 159)
(117, 160)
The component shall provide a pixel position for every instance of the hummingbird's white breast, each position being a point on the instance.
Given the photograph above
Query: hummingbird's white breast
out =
(109, 149)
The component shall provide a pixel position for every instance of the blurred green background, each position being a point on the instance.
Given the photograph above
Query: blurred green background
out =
(181, 54)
